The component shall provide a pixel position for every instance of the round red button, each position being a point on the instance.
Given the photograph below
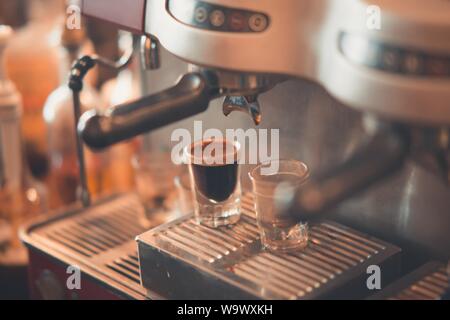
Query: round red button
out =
(237, 21)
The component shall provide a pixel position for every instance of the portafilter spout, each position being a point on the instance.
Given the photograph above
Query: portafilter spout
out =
(242, 89)
(246, 104)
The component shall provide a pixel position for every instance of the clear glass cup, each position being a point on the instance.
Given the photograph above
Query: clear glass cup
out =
(215, 179)
(154, 174)
(184, 194)
(279, 232)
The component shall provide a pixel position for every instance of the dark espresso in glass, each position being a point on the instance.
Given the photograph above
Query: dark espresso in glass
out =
(216, 188)
(217, 179)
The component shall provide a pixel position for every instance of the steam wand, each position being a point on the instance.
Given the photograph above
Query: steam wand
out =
(77, 74)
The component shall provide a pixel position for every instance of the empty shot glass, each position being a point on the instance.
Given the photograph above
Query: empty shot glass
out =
(279, 232)
(184, 193)
(154, 178)
(215, 180)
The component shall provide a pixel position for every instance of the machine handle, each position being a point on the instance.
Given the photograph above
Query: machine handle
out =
(190, 96)
(383, 155)
(129, 15)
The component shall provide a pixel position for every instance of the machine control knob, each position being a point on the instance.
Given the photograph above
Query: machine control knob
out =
(258, 22)
(217, 18)
(201, 14)
(246, 104)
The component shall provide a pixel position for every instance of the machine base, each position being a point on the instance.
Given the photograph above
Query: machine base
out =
(183, 260)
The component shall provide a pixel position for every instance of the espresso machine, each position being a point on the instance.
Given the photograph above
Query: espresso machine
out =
(367, 107)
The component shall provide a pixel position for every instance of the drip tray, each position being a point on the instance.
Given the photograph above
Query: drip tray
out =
(99, 239)
(429, 282)
(183, 260)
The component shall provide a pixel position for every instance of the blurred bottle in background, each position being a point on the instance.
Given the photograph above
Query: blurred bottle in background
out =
(60, 127)
(39, 58)
(34, 65)
(13, 13)
(20, 195)
(108, 171)
(104, 36)
(123, 88)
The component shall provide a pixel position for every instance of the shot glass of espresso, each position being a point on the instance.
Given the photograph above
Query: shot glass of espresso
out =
(279, 232)
(215, 179)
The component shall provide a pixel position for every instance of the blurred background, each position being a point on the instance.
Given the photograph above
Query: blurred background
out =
(41, 160)
(37, 60)
(38, 161)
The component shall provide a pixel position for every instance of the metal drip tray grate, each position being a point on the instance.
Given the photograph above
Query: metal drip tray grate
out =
(97, 229)
(429, 282)
(99, 239)
(185, 260)
(127, 266)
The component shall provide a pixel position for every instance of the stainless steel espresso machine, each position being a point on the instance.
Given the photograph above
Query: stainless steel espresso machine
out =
(366, 106)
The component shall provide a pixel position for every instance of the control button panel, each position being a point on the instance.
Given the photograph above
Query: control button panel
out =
(204, 15)
(393, 59)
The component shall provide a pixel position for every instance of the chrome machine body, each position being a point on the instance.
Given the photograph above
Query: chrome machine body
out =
(397, 71)
(398, 74)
